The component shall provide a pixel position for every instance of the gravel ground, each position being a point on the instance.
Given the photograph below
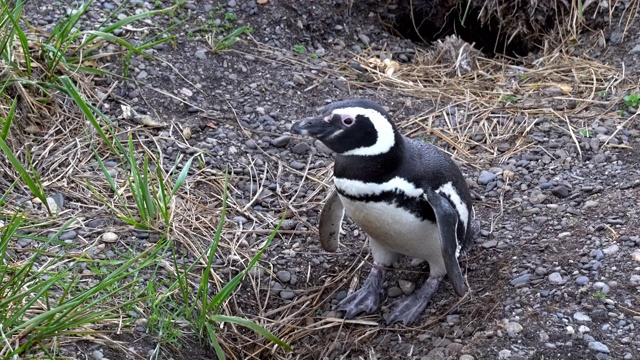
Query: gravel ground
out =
(555, 273)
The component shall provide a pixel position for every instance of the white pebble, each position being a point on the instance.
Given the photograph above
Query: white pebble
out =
(109, 237)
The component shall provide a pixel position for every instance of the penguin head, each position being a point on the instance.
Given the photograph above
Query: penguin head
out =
(352, 127)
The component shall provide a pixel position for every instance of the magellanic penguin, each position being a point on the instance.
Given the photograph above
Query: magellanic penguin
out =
(408, 196)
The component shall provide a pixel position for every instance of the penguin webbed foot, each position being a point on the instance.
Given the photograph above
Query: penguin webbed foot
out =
(408, 309)
(367, 298)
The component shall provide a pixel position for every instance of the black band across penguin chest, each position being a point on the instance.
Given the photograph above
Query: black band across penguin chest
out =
(411, 204)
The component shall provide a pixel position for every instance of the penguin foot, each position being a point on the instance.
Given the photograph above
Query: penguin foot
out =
(408, 309)
(367, 299)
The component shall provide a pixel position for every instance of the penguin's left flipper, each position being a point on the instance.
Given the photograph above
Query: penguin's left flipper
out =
(447, 220)
(330, 220)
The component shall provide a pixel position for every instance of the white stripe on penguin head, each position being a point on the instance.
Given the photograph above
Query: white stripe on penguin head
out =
(386, 138)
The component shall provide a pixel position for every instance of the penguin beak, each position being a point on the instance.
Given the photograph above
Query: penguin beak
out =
(316, 126)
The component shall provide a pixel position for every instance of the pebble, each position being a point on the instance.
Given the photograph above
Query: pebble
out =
(466, 357)
(504, 354)
(301, 148)
(489, 244)
(582, 280)
(486, 177)
(602, 287)
(97, 355)
(524, 278)
(612, 249)
(561, 191)
(201, 54)
(635, 280)
(635, 50)
(394, 291)
(281, 141)
(581, 317)
(599, 347)
(287, 294)
(284, 276)
(68, 235)
(598, 254)
(513, 327)
(556, 278)
(407, 287)
(109, 237)
(297, 165)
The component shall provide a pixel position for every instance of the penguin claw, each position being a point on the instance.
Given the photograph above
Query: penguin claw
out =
(408, 309)
(367, 299)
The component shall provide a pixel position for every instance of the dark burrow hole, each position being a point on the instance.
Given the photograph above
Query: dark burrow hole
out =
(514, 35)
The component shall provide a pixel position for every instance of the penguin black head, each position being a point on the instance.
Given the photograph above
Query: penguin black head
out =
(352, 127)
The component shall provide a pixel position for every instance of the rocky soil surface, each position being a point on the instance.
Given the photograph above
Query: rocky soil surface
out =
(555, 273)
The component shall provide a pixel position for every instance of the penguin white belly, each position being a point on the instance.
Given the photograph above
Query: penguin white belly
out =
(394, 229)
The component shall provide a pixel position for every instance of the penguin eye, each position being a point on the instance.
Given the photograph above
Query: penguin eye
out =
(348, 121)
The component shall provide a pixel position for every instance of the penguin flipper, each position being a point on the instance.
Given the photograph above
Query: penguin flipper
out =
(447, 220)
(330, 220)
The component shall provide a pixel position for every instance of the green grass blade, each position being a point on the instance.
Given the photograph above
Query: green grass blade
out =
(32, 183)
(250, 325)
(71, 90)
(7, 122)
(182, 176)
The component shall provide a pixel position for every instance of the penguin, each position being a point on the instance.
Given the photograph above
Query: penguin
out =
(408, 196)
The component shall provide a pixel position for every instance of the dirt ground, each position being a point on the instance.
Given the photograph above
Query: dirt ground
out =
(555, 176)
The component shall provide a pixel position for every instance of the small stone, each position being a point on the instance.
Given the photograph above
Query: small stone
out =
(635, 280)
(466, 357)
(297, 165)
(602, 287)
(599, 347)
(281, 141)
(486, 177)
(513, 327)
(394, 291)
(504, 354)
(590, 204)
(520, 279)
(561, 191)
(250, 144)
(240, 219)
(556, 278)
(581, 317)
(545, 185)
(201, 54)
(583, 329)
(287, 294)
(489, 244)
(301, 148)
(453, 319)
(635, 50)
(97, 355)
(453, 348)
(543, 336)
(598, 254)
(284, 276)
(68, 235)
(612, 249)
(407, 287)
(298, 79)
(582, 280)
(109, 237)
